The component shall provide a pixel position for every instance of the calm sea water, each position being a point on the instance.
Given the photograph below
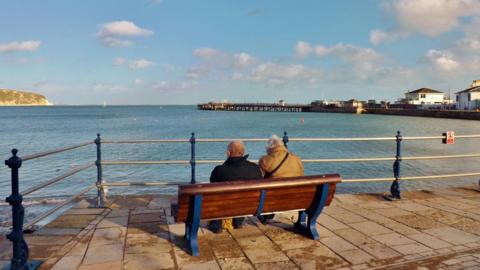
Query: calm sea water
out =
(35, 129)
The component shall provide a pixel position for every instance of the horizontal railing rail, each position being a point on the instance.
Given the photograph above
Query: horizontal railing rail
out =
(55, 151)
(306, 139)
(326, 160)
(58, 178)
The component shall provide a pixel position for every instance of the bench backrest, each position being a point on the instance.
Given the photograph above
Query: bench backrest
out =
(242, 198)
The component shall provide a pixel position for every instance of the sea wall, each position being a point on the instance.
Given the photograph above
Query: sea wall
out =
(454, 114)
(335, 109)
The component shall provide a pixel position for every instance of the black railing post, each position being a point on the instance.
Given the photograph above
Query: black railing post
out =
(395, 187)
(20, 248)
(98, 163)
(192, 157)
(285, 139)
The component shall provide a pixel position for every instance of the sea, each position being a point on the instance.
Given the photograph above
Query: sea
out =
(37, 129)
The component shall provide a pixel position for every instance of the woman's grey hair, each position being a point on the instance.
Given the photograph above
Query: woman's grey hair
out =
(274, 141)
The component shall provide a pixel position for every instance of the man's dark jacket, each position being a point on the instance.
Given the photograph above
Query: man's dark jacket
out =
(236, 168)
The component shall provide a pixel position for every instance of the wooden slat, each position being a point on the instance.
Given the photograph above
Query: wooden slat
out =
(244, 185)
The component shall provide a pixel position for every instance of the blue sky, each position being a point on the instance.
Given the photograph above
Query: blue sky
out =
(186, 52)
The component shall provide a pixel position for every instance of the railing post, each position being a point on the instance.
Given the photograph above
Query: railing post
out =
(285, 139)
(192, 157)
(20, 248)
(395, 187)
(98, 163)
(302, 216)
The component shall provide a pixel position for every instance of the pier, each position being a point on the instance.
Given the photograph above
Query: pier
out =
(254, 107)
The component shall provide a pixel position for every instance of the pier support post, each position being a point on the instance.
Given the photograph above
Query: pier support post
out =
(20, 248)
(192, 157)
(395, 187)
(100, 190)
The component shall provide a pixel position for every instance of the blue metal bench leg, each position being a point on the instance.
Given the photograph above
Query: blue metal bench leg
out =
(316, 209)
(302, 220)
(194, 219)
(187, 229)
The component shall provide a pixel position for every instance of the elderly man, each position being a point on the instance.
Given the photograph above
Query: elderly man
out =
(279, 163)
(236, 167)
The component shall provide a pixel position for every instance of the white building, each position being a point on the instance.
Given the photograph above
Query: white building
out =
(425, 96)
(469, 99)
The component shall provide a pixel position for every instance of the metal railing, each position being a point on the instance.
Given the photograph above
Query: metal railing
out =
(20, 248)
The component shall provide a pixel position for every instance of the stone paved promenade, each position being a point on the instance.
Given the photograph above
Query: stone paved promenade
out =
(426, 230)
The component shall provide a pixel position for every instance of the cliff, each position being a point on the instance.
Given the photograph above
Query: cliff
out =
(19, 98)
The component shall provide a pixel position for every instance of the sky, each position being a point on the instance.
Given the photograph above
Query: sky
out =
(188, 52)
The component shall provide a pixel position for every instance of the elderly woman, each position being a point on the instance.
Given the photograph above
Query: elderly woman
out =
(278, 163)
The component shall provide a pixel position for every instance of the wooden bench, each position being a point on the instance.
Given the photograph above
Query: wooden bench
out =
(307, 194)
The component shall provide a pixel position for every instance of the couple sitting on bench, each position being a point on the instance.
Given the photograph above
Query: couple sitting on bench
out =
(278, 162)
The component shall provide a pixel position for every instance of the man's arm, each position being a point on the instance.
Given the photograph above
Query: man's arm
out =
(214, 176)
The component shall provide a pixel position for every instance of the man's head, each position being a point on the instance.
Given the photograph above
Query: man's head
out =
(273, 142)
(235, 149)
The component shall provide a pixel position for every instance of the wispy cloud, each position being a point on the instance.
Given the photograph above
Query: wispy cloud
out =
(442, 60)
(23, 46)
(111, 34)
(133, 64)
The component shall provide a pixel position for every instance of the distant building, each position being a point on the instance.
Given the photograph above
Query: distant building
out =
(424, 96)
(469, 99)
(353, 103)
(326, 103)
(282, 102)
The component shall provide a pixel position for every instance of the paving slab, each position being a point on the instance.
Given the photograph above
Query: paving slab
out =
(391, 239)
(392, 212)
(103, 253)
(113, 222)
(85, 211)
(356, 256)
(370, 228)
(412, 207)
(348, 217)
(149, 261)
(283, 265)
(355, 237)
(68, 262)
(264, 254)
(331, 223)
(107, 236)
(418, 222)
(452, 235)
(429, 241)
(380, 251)
(316, 257)
(337, 244)
(109, 265)
(413, 248)
(400, 228)
(241, 263)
